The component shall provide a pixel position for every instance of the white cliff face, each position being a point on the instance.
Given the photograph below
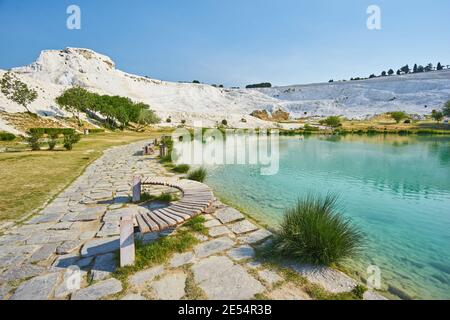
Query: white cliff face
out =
(56, 70)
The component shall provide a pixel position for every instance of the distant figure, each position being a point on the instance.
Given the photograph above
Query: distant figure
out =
(302, 138)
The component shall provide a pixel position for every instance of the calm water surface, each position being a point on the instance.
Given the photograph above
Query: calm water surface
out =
(396, 189)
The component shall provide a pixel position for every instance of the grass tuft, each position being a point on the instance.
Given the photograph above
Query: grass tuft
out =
(198, 175)
(314, 232)
(182, 168)
(196, 224)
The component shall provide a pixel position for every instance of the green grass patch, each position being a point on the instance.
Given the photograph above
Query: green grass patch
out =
(182, 168)
(164, 197)
(197, 175)
(158, 252)
(196, 224)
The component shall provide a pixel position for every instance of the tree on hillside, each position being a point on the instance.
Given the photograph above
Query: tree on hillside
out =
(398, 116)
(429, 67)
(437, 115)
(372, 76)
(405, 69)
(415, 68)
(147, 116)
(399, 72)
(390, 72)
(17, 91)
(446, 109)
(75, 100)
(332, 122)
(383, 74)
(439, 66)
(420, 69)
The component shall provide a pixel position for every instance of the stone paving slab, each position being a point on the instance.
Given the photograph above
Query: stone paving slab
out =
(332, 280)
(220, 279)
(99, 290)
(228, 214)
(38, 288)
(104, 265)
(255, 237)
(140, 278)
(242, 253)
(170, 287)
(181, 259)
(100, 246)
(211, 247)
(243, 226)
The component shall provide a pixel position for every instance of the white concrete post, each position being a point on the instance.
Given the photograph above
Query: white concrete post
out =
(136, 189)
(127, 248)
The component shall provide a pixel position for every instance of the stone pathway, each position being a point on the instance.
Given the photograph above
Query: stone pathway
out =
(67, 250)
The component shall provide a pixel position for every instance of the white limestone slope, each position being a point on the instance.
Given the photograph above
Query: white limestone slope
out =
(56, 70)
(358, 99)
(96, 72)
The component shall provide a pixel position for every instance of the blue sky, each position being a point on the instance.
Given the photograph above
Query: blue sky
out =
(233, 42)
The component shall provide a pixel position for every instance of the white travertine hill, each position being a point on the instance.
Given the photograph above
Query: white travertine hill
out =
(56, 70)
(359, 99)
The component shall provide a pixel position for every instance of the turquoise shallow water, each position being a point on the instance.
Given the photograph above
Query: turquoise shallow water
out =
(396, 189)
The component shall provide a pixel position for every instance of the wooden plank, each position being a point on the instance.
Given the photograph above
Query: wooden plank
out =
(143, 226)
(165, 218)
(161, 223)
(183, 211)
(189, 207)
(152, 224)
(177, 218)
(191, 211)
(182, 215)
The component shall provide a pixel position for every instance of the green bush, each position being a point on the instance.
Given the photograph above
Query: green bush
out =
(198, 175)
(224, 122)
(314, 232)
(34, 140)
(52, 141)
(70, 140)
(49, 131)
(308, 127)
(6, 136)
(94, 131)
(182, 168)
(398, 116)
(332, 121)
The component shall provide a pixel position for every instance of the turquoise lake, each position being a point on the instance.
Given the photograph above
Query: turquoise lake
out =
(395, 188)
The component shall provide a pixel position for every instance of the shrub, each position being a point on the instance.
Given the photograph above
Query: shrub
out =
(52, 140)
(308, 127)
(70, 140)
(182, 168)
(407, 121)
(183, 121)
(314, 232)
(224, 122)
(198, 175)
(6, 136)
(50, 131)
(169, 120)
(437, 115)
(259, 85)
(34, 140)
(332, 121)
(398, 116)
(446, 109)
